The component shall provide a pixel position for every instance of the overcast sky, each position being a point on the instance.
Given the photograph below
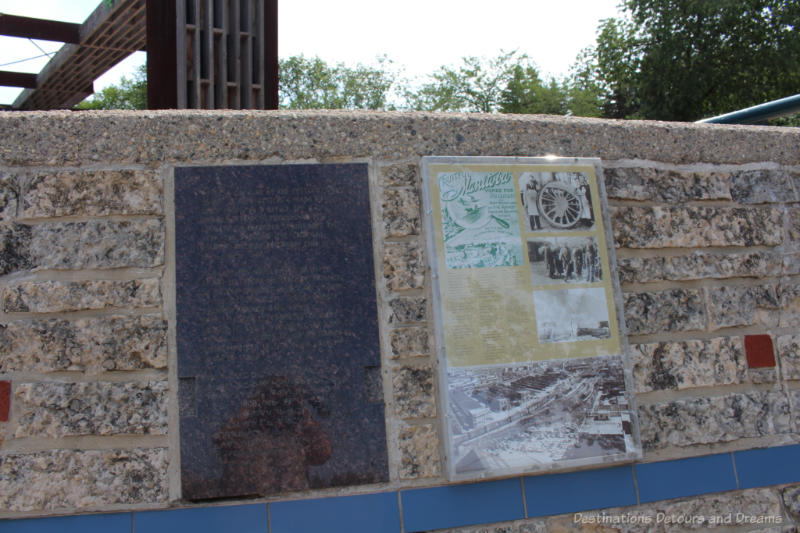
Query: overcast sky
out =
(418, 35)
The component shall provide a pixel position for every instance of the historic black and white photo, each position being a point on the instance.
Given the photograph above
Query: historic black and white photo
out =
(571, 315)
(524, 415)
(556, 201)
(532, 360)
(558, 260)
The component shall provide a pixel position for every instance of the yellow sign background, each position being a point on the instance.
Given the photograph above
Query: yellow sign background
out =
(488, 314)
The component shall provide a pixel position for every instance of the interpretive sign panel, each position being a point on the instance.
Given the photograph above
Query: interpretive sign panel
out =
(277, 334)
(534, 369)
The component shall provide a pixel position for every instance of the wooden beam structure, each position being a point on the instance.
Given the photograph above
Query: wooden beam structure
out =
(162, 55)
(46, 30)
(202, 54)
(271, 53)
(212, 54)
(17, 79)
(108, 36)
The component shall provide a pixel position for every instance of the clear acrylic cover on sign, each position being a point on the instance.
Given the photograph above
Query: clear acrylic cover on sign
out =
(534, 369)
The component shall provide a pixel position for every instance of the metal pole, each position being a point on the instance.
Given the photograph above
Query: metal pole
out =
(758, 113)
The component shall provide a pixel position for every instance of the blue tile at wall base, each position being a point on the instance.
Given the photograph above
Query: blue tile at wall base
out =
(366, 513)
(579, 491)
(455, 505)
(101, 523)
(238, 518)
(685, 477)
(768, 466)
(462, 505)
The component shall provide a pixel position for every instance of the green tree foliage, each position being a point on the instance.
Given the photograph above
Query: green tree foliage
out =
(606, 73)
(311, 83)
(304, 84)
(790, 120)
(476, 85)
(662, 59)
(508, 83)
(129, 94)
(526, 93)
(688, 59)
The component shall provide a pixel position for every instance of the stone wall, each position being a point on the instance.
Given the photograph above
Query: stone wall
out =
(84, 338)
(706, 223)
(707, 256)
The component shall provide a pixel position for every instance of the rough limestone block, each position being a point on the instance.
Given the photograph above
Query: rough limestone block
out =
(592, 522)
(711, 420)
(55, 409)
(762, 375)
(409, 342)
(419, 452)
(408, 310)
(665, 186)
(175, 137)
(762, 186)
(699, 265)
(788, 347)
(794, 225)
(9, 193)
(773, 529)
(663, 311)
(53, 296)
(630, 183)
(695, 227)
(795, 399)
(537, 526)
(82, 479)
(403, 266)
(791, 264)
(413, 392)
(640, 269)
(400, 175)
(789, 295)
(688, 364)
(86, 344)
(401, 212)
(791, 502)
(98, 244)
(93, 193)
(742, 306)
(15, 242)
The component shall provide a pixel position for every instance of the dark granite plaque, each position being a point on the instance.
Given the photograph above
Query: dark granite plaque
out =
(277, 332)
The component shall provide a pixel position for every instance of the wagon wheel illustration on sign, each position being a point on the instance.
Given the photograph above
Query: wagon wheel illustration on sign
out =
(559, 205)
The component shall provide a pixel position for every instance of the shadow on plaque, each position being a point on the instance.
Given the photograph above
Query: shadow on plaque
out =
(268, 445)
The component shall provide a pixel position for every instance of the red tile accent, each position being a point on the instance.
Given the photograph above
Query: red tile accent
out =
(759, 351)
(5, 400)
